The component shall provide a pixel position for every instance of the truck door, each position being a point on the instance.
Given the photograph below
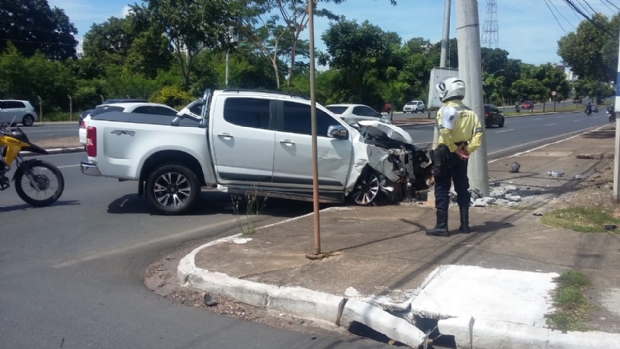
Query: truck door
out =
(293, 154)
(243, 140)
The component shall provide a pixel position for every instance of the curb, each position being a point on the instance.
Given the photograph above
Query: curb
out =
(55, 151)
(50, 123)
(526, 114)
(487, 334)
(322, 307)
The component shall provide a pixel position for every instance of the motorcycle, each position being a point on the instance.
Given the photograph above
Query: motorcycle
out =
(611, 116)
(588, 111)
(37, 182)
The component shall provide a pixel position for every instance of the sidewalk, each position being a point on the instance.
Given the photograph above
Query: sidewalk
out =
(382, 270)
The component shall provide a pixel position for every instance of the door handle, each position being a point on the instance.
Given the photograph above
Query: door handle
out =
(226, 136)
(287, 142)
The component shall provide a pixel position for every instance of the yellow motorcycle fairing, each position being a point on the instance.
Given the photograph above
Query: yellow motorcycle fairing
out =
(14, 145)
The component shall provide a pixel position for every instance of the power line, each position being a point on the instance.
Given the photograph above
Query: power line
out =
(593, 10)
(571, 4)
(604, 3)
(554, 16)
(612, 4)
(579, 2)
(558, 11)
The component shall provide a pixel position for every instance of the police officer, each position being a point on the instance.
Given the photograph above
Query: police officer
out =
(460, 134)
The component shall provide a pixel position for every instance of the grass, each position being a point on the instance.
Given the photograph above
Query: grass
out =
(523, 208)
(581, 219)
(558, 109)
(59, 116)
(570, 302)
(253, 205)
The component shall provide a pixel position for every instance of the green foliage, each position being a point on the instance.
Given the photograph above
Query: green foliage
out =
(591, 53)
(172, 96)
(31, 26)
(580, 219)
(570, 302)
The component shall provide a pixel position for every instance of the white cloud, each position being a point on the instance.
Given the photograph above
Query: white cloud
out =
(126, 11)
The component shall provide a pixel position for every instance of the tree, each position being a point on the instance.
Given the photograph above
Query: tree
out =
(32, 25)
(529, 88)
(191, 26)
(589, 51)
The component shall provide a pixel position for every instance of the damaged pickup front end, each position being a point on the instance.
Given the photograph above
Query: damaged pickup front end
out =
(389, 167)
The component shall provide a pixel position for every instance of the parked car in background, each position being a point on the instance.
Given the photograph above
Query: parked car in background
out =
(356, 112)
(414, 107)
(527, 105)
(493, 116)
(111, 101)
(141, 108)
(577, 101)
(17, 111)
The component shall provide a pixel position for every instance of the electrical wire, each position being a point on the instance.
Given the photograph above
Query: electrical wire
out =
(583, 7)
(612, 4)
(554, 16)
(604, 3)
(561, 14)
(571, 4)
(587, 3)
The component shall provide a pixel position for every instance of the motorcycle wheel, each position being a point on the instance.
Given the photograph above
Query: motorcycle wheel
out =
(50, 179)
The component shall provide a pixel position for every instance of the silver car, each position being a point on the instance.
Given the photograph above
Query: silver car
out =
(17, 111)
(356, 112)
(414, 107)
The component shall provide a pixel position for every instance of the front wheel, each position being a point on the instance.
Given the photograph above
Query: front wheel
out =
(28, 120)
(172, 189)
(49, 179)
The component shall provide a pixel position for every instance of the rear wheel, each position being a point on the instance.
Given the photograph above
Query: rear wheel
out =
(49, 179)
(172, 189)
(501, 124)
(28, 120)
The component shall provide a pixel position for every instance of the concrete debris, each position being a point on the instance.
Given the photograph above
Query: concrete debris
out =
(209, 301)
(490, 200)
(453, 196)
(514, 198)
(510, 188)
(476, 194)
(498, 193)
(578, 177)
(555, 174)
(514, 168)
(480, 203)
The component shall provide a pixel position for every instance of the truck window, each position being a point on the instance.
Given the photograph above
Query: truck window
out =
(247, 112)
(297, 119)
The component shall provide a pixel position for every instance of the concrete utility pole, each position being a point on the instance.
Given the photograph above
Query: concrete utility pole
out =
(617, 141)
(470, 71)
(315, 163)
(445, 47)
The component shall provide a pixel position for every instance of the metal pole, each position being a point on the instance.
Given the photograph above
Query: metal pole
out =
(470, 71)
(40, 107)
(70, 108)
(445, 44)
(227, 56)
(617, 141)
(315, 164)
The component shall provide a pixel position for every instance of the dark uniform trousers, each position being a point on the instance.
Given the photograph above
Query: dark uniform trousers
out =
(455, 171)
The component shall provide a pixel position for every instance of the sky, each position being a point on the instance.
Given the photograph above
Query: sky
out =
(528, 29)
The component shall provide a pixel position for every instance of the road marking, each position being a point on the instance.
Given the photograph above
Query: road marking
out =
(577, 120)
(145, 243)
(67, 166)
(502, 131)
(551, 125)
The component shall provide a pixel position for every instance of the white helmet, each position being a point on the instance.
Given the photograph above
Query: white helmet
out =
(450, 89)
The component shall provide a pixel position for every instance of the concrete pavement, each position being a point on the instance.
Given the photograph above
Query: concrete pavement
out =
(381, 257)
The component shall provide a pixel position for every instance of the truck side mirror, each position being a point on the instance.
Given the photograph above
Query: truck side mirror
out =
(338, 132)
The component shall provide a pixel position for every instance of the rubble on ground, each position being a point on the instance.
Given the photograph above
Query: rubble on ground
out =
(508, 196)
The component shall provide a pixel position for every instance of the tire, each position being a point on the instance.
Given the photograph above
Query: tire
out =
(502, 124)
(28, 120)
(164, 185)
(367, 188)
(19, 184)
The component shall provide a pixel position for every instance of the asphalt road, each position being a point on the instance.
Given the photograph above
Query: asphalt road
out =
(39, 132)
(71, 274)
(521, 133)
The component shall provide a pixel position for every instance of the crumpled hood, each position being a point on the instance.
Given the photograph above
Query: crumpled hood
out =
(393, 132)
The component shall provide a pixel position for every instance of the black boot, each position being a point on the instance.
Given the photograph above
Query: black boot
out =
(464, 221)
(441, 229)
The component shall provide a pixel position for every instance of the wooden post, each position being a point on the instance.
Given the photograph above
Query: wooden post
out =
(70, 108)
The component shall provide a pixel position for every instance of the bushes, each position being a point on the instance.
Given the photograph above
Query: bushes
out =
(172, 96)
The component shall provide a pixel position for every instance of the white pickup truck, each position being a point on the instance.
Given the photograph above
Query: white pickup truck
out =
(241, 141)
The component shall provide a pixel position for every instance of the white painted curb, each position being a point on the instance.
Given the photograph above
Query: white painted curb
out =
(491, 334)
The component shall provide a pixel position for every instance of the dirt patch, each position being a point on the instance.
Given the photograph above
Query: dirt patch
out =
(161, 278)
(63, 142)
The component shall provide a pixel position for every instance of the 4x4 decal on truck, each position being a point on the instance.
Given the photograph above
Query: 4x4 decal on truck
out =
(123, 132)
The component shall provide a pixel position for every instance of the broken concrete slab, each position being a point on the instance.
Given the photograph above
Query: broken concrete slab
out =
(381, 321)
(507, 295)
